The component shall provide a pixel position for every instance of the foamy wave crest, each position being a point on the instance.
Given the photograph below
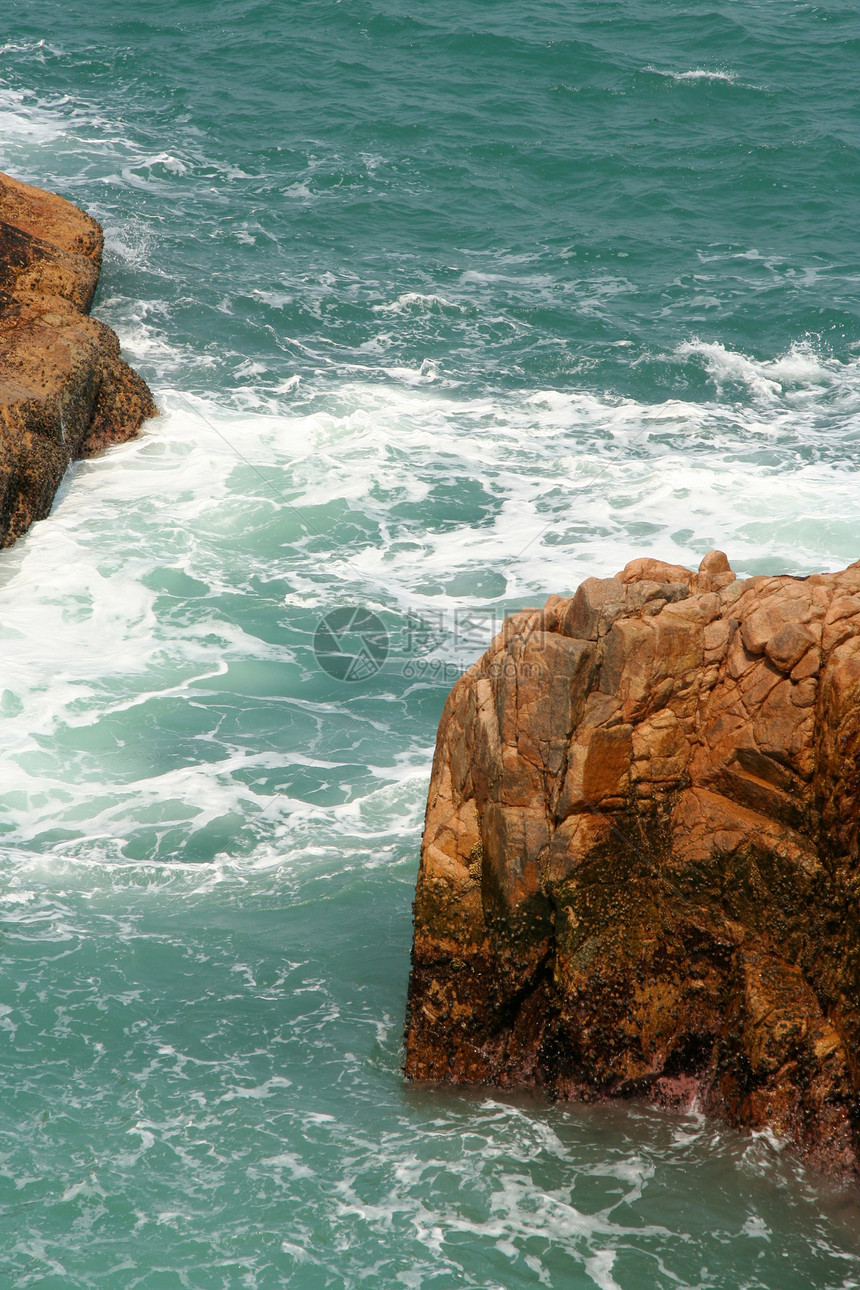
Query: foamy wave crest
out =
(802, 370)
(696, 74)
(416, 301)
(36, 49)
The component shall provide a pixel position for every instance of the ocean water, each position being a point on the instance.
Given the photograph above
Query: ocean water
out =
(447, 307)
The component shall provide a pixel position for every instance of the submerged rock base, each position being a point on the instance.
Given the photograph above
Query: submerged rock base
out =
(639, 873)
(64, 390)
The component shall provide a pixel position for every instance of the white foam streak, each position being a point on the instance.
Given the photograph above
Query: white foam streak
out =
(599, 1268)
(695, 75)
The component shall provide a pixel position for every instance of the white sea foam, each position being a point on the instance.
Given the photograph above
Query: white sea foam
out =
(161, 161)
(549, 488)
(26, 125)
(756, 1228)
(802, 371)
(412, 301)
(599, 1268)
(696, 74)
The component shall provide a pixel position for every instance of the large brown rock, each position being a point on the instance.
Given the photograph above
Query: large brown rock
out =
(640, 871)
(64, 390)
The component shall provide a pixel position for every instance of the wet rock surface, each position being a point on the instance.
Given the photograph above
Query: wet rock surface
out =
(639, 873)
(65, 392)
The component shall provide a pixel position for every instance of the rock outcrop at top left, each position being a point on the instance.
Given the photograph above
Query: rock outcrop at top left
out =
(64, 390)
(640, 872)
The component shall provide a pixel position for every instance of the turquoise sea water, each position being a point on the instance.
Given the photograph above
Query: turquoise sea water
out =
(447, 306)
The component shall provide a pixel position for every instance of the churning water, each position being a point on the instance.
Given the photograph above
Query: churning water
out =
(446, 306)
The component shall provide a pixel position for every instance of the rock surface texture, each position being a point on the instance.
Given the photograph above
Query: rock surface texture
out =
(640, 871)
(64, 390)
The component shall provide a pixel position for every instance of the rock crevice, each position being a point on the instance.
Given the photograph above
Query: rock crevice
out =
(639, 872)
(65, 392)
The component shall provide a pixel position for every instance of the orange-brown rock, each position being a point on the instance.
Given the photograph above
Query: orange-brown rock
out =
(640, 870)
(64, 390)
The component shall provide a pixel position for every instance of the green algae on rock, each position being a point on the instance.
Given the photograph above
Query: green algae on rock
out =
(639, 873)
(65, 393)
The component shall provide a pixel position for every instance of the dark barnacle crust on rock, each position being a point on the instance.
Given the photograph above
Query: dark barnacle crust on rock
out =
(640, 873)
(64, 390)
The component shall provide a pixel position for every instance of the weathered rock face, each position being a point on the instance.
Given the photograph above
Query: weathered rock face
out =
(64, 390)
(640, 867)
